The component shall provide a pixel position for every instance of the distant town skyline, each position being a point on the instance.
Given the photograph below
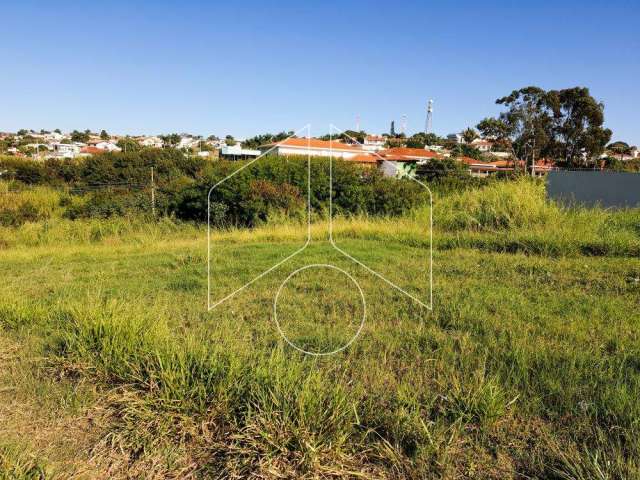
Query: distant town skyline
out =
(254, 67)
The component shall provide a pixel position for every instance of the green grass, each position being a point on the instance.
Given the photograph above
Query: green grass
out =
(527, 367)
(16, 465)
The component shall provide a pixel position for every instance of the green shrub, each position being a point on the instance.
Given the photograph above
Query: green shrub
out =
(277, 186)
(104, 204)
(29, 205)
(500, 205)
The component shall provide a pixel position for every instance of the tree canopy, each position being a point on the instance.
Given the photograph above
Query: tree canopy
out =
(469, 135)
(255, 142)
(82, 137)
(563, 124)
(171, 139)
(421, 140)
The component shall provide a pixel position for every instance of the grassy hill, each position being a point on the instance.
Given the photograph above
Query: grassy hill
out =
(528, 366)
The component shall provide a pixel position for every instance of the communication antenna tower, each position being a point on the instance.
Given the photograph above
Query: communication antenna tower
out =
(428, 125)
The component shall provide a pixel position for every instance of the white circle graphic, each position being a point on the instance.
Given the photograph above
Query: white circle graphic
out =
(319, 265)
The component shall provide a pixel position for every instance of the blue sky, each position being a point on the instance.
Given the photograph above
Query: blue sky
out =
(250, 67)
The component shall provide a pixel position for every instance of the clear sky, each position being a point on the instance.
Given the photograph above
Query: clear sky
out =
(249, 67)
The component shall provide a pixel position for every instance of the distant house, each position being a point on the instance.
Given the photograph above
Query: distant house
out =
(91, 150)
(418, 154)
(403, 161)
(322, 148)
(544, 166)
(481, 144)
(314, 148)
(108, 146)
(66, 150)
(478, 168)
(104, 145)
(373, 143)
(187, 142)
(217, 142)
(53, 137)
(236, 152)
(365, 159)
(455, 137)
(153, 142)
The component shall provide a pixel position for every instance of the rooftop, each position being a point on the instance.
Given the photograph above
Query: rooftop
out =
(315, 143)
(408, 153)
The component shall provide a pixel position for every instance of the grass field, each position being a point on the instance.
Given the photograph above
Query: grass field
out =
(528, 366)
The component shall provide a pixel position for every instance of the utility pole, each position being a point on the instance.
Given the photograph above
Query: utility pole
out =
(6, 184)
(153, 195)
(533, 158)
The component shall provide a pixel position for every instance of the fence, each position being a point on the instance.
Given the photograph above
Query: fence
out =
(591, 188)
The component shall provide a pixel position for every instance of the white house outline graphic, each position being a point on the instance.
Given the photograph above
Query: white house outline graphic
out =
(211, 305)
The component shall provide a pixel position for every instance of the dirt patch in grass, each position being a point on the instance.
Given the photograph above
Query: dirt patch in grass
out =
(58, 424)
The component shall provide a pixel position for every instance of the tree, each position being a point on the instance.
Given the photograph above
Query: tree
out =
(22, 132)
(578, 121)
(528, 122)
(433, 139)
(104, 135)
(565, 124)
(469, 135)
(620, 148)
(82, 137)
(464, 150)
(417, 140)
(171, 140)
(421, 140)
(128, 144)
(264, 139)
(57, 130)
(496, 130)
(432, 169)
(229, 140)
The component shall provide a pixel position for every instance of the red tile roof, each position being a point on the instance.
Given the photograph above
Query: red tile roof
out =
(92, 150)
(409, 153)
(501, 164)
(468, 160)
(480, 165)
(397, 158)
(363, 158)
(315, 143)
(375, 138)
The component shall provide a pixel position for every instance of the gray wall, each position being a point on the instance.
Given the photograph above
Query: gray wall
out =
(590, 188)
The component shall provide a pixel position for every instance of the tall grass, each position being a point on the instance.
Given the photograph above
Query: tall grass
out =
(29, 205)
(502, 216)
(527, 367)
(15, 464)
